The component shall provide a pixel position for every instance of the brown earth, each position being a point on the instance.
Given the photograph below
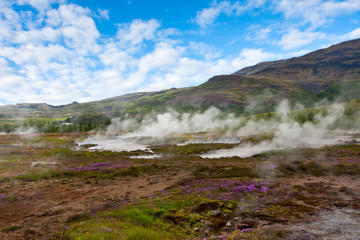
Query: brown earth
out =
(42, 207)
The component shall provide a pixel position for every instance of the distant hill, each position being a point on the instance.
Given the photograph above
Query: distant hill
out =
(330, 73)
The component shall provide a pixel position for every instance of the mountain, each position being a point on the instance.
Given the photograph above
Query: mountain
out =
(329, 73)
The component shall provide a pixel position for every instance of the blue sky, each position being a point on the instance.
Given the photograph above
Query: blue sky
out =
(59, 51)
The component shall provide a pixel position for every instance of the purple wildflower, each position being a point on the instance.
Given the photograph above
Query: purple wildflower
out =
(103, 166)
(225, 189)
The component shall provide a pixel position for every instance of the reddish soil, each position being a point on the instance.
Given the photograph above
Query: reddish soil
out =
(41, 208)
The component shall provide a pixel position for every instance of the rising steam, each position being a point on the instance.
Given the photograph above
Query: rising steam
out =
(129, 134)
(213, 126)
(287, 133)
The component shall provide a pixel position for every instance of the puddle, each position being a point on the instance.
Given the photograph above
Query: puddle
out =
(113, 143)
(146, 156)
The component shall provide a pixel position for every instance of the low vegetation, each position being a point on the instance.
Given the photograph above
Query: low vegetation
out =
(178, 195)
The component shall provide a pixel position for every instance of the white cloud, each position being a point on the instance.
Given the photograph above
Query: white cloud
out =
(259, 33)
(316, 12)
(46, 55)
(207, 16)
(45, 34)
(204, 50)
(104, 13)
(59, 56)
(353, 34)
(138, 31)
(63, 58)
(76, 26)
(9, 19)
(67, 66)
(188, 71)
(263, 33)
(39, 4)
(295, 38)
(117, 58)
(163, 56)
(249, 56)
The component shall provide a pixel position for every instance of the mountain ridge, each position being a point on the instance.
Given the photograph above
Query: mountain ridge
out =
(329, 73)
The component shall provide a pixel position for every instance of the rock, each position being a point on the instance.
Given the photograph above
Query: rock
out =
(217, 212)
(243, 227)
(250, 222)
(106, 229)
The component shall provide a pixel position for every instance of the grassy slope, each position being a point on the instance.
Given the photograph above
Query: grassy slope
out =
(331, 73)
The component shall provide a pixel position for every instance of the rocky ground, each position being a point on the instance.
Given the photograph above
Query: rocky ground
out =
(50, 190)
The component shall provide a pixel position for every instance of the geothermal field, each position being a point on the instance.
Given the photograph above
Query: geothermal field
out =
(180, 120)
(291, 174)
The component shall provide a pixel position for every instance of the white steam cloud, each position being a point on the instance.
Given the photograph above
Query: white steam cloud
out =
(213, 126)
(131, 134)
(287, 133)
(173, 123)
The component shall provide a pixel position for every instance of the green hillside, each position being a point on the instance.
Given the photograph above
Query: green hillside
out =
(332, 74)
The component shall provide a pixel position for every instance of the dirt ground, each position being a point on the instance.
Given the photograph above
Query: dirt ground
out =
(39, 209)
(42, 207)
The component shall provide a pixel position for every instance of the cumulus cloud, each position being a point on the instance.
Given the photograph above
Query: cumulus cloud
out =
(138, 31)
(53, 52)
(187, 71)
(47, 53)
(57, 55)
(40, 5)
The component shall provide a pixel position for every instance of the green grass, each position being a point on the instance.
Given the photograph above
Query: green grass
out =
(11, 229)
(36, 175)
(175, 213)
(169, 215)
(312, 168)
(341, 169)
(45, 173)
(191, 148)
(207, 172)
(130, 222)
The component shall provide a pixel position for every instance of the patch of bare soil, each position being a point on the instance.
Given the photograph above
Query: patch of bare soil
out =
(337, 224)
(336, 201)
(41, 208)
